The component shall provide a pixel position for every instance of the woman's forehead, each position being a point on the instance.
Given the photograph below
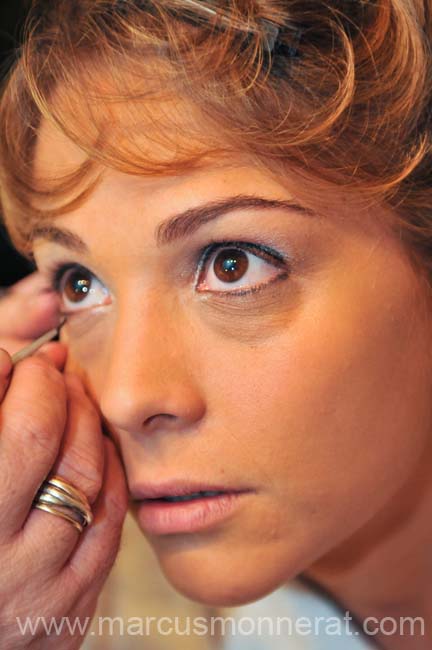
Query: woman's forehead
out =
(146, 134)
(55, 153)
(156, 137)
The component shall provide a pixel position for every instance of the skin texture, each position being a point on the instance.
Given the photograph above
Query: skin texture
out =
(313, 392)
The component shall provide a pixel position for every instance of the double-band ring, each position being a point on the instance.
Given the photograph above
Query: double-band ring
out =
(62, 499)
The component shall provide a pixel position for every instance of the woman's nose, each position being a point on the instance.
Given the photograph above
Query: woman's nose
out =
(150, 382)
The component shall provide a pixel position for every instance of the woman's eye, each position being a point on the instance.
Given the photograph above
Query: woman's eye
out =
(235, 269)
(79, 289)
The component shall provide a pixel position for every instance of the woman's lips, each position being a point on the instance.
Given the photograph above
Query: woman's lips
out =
(177, 487)
(158, 516)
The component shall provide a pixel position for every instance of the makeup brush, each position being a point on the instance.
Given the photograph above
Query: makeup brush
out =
(35, 345)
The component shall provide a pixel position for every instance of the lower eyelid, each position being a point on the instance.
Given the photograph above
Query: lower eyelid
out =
(244, 292)
(80, 315)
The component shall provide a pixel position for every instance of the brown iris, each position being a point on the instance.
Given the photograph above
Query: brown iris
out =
(77, 286)
(230, 264)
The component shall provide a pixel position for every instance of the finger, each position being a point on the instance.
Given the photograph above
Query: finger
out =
(81, 463)
(56, 352)
(33, 418)
(81, 459)
(83, 612)
(25, 316)
(5, 371)
(99, 544)
(30, 285)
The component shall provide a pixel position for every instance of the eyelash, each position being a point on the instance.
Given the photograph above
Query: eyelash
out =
(58, 271)
(264, 252)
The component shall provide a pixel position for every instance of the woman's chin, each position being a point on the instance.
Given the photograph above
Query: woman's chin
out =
(221, 581)
(217, 589)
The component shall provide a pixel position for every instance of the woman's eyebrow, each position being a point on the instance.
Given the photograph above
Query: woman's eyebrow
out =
(178, 226)
(62, 236)
(188, 222)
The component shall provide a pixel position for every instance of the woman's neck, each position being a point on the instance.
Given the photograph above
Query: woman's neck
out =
(385, 569)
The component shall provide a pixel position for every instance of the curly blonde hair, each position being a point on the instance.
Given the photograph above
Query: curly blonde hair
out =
(336, 93)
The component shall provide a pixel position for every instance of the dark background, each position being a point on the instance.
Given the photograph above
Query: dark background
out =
(12, 13)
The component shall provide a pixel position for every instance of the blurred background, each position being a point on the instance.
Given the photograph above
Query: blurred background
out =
(12, 13)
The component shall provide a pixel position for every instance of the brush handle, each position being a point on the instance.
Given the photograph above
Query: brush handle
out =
(35, 345)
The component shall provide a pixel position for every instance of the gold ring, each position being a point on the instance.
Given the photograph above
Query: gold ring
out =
(62, 499)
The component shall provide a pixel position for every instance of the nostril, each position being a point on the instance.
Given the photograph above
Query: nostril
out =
(150, 420)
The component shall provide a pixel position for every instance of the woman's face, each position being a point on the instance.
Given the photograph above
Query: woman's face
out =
(309, 392)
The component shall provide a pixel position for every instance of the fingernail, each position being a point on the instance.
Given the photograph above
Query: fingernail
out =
(5, 363)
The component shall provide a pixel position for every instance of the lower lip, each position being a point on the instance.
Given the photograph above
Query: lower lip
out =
(165, 517)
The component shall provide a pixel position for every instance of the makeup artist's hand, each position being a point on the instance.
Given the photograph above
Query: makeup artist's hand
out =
(27, 310)
(48, 569)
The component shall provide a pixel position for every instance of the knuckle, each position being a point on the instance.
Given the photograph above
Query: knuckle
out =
(35, 413)
(84, 474)
(39, 427)
(83, 465)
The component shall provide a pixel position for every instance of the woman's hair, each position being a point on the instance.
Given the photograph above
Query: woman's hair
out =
(334, 94)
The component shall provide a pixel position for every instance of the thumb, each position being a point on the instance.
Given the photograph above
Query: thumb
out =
(27, 317)
(55, 352)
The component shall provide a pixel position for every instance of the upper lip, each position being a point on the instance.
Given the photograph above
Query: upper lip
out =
(178, 487)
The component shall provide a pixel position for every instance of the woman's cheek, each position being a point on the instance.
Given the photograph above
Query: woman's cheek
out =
(254, 318)
(87, 338)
